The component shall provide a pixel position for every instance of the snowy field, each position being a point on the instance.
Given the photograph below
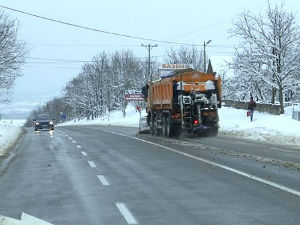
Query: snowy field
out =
(9, 132)
(233, 122)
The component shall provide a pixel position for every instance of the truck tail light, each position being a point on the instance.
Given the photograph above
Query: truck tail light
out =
(176, 116)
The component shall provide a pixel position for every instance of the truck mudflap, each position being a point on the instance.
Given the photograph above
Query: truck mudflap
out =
(210, 131)
(200, 128)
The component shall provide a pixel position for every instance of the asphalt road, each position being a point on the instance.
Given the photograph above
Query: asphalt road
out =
(110, 175)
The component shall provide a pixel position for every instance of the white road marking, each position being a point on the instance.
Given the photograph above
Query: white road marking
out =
(28, 219)
(74, 141)
(279, 149)
(78, 146)
(84, 153)
(126, 213)
(25, 219)
(92, 164)
(103, 180)
(70, 138)
(281, 187)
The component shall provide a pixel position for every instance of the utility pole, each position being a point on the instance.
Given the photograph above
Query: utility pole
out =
(204, 52)
(149, 47)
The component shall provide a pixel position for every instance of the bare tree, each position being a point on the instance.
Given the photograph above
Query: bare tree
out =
(100, 86)
(269, 55)
(186, 55)
(12, 55)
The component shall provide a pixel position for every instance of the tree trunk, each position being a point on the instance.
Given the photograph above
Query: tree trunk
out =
(281, 100)
(274, 90)
(259, 92)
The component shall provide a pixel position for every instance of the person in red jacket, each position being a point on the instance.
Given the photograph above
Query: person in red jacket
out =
(251, 107)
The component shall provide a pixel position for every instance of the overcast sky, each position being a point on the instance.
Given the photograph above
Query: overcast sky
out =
(188, 21)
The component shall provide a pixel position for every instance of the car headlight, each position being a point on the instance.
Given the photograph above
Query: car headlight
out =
(51, 122)
(37, 123)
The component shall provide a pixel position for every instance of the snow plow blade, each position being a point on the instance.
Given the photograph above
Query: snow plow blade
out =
(143, 125)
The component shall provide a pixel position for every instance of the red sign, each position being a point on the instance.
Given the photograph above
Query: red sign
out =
(134, 97)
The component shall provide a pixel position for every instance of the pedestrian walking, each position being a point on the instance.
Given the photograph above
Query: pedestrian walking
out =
(251, 107)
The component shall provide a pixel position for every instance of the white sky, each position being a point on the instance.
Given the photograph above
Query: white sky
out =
(188, 21)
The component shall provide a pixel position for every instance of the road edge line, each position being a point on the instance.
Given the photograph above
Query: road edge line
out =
(281, 187)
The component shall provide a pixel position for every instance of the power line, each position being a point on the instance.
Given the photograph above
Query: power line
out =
(78, 61)
(199, 29)
(60, 60)
(208, 26)
(117, 46)
(94, 29)
(53, 67)
(221, 46)
(67, 61)
(51, 62)
(83, 45)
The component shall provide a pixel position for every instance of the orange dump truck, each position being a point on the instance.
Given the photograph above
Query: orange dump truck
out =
(184, 100)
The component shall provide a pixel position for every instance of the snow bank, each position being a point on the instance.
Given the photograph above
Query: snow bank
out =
(116, 118)
(233, 122)
(264, 127)
(9, 132)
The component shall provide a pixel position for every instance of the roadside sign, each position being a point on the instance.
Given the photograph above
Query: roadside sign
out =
(134, 97)
(167, 69)
(175, 66)
(133, 92)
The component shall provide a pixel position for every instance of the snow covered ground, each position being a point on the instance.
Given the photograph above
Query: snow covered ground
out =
(233, 122)
(264, 127)
(9, 132)
(115, 119)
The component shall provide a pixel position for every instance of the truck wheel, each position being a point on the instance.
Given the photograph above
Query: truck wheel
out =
(155, 128)
(152, 127)
(157, 131)
(163, 123)
(168, 127)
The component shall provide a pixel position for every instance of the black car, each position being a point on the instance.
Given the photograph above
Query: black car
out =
(43, 121)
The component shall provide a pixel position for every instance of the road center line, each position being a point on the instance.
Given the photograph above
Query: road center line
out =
(70, 138)
(281, 187)
(84, 153)
(74, 141)
(78, 146)
(92, 164)
(126, 213)
(103, 180)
